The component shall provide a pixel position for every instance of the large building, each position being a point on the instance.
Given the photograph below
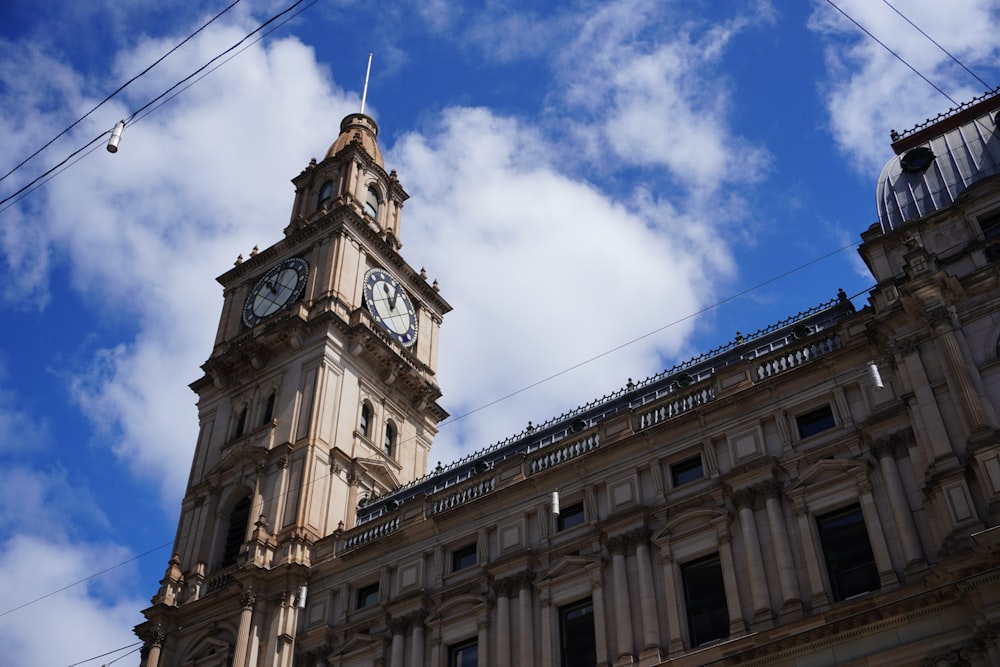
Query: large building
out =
(824, 491)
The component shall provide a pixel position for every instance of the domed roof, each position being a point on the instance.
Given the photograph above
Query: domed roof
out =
(937, 161)
(365, 129)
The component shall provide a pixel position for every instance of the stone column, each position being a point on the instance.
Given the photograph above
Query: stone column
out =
(549, 649)
(674, 602)
(248, 599)
(787, 579)
(744, 499)
(503, 591)
(876, 535)
(154, 643)
(600, 617)
(417, 641)
(526, 631)
(926, 411)
(884, 451)
(619, 595)
(483, 640)
(737, 626)
(969, 398)
(813, 556)
(398, 628)
(647, 597)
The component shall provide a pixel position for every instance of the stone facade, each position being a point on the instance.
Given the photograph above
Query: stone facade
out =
(824, 491)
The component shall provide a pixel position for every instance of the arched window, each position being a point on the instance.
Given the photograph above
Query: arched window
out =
(325, 195)
(268, 410)
(390, 439)
(372, 202)
(365, 427)
(236, 533)
(241, 423)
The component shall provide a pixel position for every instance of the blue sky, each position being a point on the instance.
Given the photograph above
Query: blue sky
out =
(580, 175)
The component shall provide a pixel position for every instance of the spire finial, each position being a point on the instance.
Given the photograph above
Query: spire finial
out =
(364, 93)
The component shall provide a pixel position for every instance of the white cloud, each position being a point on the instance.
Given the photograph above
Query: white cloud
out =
(543, 271)
(659, 102)
(872, 92)
(72, 625)
(48, 518)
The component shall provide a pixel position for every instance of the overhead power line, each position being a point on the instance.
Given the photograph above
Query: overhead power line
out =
(896, 55)
(149, 107)
(118, 90)
(931, 39)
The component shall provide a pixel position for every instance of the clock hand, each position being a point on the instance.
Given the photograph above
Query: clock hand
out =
(392, 297)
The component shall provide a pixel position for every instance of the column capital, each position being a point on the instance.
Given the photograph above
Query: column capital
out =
(248, 598)
(745, 497)
(154, 636)
(398, 625)
(769, 488)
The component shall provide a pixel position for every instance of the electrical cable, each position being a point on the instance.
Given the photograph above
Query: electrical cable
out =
(44, 177)
(118, 90)
(87, 578)
(898, 57)
(946, 52)
(82, 662)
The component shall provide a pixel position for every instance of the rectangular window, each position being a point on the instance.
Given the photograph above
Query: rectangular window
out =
(687, 471)
(577, 642)
(570, 516)
(367, 596)
(815, 421)
(848, 553)
(463, 557)
(465, 654)
(705, 600)
(990, 226)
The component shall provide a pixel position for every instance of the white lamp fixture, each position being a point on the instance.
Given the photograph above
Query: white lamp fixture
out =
(555, 502)
(303, 589)
(116, 136)
(875, 376)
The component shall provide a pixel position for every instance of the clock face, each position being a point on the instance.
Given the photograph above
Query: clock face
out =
(389, 304)
(280, 286)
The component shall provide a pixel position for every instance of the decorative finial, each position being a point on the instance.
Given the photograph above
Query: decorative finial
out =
(423, 273)
(435, 286)
(239, 260)
(253, 253)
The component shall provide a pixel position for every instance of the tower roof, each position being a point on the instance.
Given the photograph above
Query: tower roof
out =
(358, 126)
(937, 160)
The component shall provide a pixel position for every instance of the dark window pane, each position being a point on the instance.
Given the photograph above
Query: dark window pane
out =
(366, 419)
(815, 421)
(570, 516)
(463, 655)
(236, 534)
(577, 643)
(390, 439)
(463, 558)
(268, 409)
(367, 596)
(849, 558)
(705, 600)
(687, 471)
(990, 226)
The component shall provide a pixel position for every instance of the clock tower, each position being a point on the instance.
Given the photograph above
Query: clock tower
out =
(320, 392)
